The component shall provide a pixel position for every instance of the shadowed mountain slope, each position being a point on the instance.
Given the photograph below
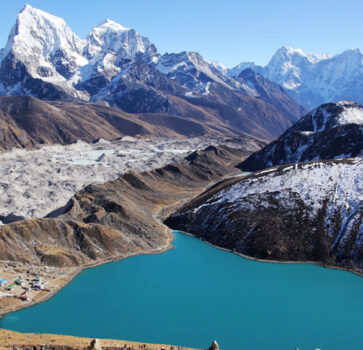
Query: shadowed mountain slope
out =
(308, 212)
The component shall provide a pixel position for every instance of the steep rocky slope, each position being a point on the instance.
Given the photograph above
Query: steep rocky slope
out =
(334, 130)
(308, 212)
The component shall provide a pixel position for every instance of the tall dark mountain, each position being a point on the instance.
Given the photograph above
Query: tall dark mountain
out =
(334, 130)
(308, 212)
(45, 59)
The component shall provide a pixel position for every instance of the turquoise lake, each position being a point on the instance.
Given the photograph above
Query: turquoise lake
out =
(195, 293)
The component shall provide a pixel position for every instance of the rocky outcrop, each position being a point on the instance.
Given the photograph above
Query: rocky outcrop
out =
(334, 130)
(214, 346)
(308, 212)
(95, 345)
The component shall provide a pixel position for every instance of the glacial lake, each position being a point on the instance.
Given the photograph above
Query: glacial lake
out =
(195, 293)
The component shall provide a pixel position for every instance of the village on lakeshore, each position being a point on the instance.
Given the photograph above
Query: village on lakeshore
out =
(22, 285)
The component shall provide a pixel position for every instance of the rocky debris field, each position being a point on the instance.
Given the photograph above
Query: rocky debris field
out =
(33, 183)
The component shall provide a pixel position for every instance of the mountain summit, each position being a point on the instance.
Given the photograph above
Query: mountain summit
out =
(41, 47)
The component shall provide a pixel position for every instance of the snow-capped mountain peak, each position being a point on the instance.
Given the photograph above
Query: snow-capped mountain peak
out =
(287, 66)
(235, 71)
(124, 42)
(109, 23)
(191, 70)
(45, 44)
(313, 79)
(291, 53)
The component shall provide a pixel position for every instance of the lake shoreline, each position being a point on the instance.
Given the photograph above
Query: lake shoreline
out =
(163, 299)
(167, 247)
(80, 269)
(360, 274)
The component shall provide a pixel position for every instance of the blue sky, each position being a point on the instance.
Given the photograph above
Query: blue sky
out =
(228, 31)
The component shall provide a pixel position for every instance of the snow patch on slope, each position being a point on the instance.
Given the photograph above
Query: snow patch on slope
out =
(351, 116)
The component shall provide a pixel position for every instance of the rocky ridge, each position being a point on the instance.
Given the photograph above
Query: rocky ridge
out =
(27, 122)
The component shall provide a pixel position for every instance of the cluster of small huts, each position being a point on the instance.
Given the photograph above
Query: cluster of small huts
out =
(35, 284)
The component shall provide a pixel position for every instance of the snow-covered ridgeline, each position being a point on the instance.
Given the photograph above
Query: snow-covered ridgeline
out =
(341, 183)
(348, 113)
(331, 131)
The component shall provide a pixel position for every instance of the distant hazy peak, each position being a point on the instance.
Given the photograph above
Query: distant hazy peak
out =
(289, 52)
(109, 23)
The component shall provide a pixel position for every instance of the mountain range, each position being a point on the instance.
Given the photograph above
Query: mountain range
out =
(44, 58)
(311, 79)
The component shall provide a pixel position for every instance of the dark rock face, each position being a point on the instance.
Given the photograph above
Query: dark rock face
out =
(288, 213)
(334, 130)
(214, 346)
